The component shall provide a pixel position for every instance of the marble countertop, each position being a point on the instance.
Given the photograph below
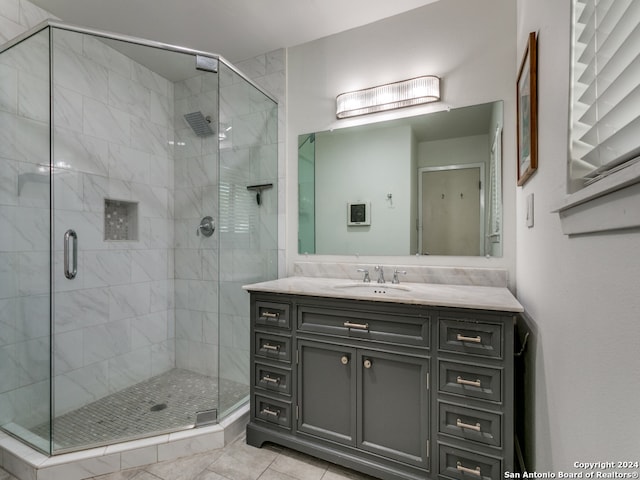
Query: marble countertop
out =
(442, 295)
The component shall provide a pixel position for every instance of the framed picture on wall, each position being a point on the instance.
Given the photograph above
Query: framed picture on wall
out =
(527, 109)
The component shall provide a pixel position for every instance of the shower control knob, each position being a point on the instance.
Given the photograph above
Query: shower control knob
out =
(207, 226)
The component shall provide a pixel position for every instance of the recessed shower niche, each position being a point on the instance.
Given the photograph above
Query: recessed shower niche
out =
(120, 220)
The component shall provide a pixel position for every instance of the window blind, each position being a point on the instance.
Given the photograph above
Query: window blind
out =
(605, 97)
(236, 211)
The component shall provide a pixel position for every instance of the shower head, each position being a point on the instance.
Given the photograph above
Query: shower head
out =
(199, 124)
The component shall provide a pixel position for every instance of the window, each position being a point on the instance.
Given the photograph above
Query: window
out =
(604, 139)
(605, 93)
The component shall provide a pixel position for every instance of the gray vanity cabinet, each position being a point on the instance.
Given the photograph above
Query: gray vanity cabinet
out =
(373, 400)
(397, 391)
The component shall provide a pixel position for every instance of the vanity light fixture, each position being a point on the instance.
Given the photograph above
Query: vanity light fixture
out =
(406, 93)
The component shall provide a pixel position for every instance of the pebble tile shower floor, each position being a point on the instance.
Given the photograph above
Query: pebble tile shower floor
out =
(161, 404)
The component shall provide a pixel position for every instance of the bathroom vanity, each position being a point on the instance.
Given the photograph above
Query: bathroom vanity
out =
(408, 381)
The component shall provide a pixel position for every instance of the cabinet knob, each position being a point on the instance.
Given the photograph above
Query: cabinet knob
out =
(367, 363)
(344, 360)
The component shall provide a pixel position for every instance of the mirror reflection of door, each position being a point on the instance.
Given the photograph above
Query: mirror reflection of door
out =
(451, 206)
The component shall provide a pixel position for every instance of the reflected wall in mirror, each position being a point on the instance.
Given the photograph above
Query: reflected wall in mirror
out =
(428, 185)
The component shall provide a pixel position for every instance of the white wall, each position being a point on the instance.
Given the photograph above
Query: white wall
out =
(583, 367)
(469, 44)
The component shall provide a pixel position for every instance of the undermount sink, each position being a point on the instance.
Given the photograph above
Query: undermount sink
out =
(372, 287)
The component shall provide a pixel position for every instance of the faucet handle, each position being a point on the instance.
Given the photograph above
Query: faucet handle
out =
(366, 278)
(396, 280)
(380, 271)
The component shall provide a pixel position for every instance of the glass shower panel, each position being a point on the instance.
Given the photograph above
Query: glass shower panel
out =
(248, 203)
(127, 278)
(196, 249)
(25, 296)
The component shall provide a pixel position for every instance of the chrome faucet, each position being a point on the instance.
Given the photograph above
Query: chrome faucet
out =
(380, 273)
(366, 278)
(396, 280)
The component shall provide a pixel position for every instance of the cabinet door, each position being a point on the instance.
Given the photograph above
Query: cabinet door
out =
(326, 391)
(393, 395)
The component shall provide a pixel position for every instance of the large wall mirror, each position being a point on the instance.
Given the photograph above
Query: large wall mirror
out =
(423, 185)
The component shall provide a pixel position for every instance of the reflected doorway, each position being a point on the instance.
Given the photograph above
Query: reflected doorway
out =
(451, 209)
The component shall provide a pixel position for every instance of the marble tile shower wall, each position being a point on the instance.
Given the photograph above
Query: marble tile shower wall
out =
(17, 16)
(196, 256)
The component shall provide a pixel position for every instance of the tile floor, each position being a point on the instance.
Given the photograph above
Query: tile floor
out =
(237, 461)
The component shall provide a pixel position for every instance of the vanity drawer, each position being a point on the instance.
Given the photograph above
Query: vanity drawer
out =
(470, 424)
(272, 378)
(470, 337)
(396, 328)
(271, 346)
(272, 411)
(484, 383)
(464, 465)
(270, 314)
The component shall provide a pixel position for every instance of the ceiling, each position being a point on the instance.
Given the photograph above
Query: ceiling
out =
(235, 29)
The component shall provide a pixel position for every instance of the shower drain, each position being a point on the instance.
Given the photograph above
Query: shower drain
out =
(157, 407)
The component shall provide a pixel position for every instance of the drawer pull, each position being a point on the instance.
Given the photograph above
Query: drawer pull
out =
(344, 360)
(471, 383)
(274, 348)
(476, 472)
(462, 338)
(271, 413)
(270, 315)
(460, 424)
(268, 379)
(359, 326)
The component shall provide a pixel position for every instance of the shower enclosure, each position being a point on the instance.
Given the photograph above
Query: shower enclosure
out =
(126, 232)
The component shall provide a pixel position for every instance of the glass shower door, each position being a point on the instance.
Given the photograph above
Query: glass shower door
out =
(130, 291)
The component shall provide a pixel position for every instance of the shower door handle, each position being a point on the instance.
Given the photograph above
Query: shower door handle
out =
(70, 271)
